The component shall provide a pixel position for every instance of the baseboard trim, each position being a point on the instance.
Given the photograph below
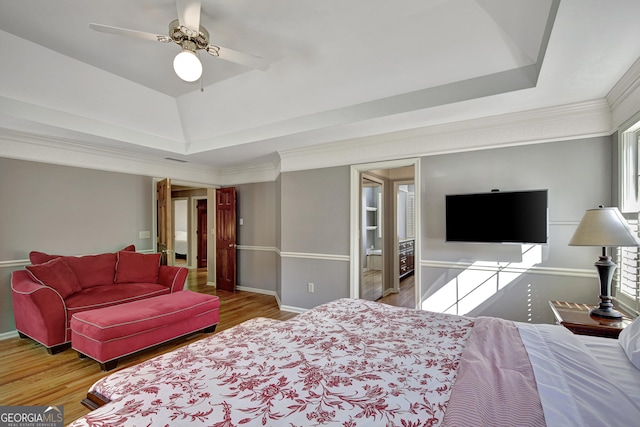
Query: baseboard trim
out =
(256, 290)
(7, 335)
(293, 309)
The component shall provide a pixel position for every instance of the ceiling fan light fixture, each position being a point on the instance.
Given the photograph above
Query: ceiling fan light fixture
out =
(187, 66)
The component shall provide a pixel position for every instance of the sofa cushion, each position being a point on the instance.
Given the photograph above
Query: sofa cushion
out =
(56, 274)
(145, 315)
(133, 267)
(93, 270)
(40, 257)
(109, 295)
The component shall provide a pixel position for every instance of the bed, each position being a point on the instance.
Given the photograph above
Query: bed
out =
(180, 244)
(359, 363)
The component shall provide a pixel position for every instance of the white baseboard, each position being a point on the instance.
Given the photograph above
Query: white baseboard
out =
(7, 335)
(293, 309)
(257, 290)
(274, 294)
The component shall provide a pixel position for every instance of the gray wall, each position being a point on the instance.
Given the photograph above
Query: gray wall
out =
(314, 219)
(66, 210)
(314, 224)
(256, 237)
(578, 176)
(304, 215)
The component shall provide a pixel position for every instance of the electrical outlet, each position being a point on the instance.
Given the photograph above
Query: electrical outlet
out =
(144, 235)
(310, 287)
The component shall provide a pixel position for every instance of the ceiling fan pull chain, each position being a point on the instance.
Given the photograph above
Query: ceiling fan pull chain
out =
(201, 76)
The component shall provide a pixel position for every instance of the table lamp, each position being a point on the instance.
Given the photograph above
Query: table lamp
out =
(604, 227)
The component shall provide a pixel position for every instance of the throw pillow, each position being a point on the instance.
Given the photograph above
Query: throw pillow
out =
(40, 257)
(93, 270)
(629, 340)
(55, 274)
(133, 267)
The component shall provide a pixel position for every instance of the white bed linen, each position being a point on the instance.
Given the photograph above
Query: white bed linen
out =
(612, 356)
(574, 387)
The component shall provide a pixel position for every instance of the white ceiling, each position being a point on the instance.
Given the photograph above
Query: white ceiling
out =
(338, 70)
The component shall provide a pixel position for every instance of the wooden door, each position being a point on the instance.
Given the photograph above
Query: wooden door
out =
(226, 238)
(165, 238)
(202, 233)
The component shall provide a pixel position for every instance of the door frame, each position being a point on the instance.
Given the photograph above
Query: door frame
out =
(211, 266)
(355, 202)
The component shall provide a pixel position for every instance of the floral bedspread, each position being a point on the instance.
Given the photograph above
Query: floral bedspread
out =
(346, 363)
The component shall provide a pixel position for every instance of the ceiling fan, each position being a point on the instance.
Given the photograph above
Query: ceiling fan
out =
(187, 32)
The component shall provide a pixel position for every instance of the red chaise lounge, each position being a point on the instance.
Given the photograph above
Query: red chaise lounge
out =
(47, 294)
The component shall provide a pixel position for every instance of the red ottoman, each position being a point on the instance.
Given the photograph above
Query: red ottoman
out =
(112, 332)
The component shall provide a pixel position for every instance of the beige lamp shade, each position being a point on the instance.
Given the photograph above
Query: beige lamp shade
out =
(604, 227)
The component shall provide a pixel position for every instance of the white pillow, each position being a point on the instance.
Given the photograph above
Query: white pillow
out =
(629, 340)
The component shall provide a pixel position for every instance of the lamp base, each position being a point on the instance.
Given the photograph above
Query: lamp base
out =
(608, 313)
(605, 268)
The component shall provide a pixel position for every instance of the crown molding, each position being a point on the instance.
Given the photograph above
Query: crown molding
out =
(624, 97)
(627, 84)
(571, 121)
(266, 172)
(46, 149)
(54, 150)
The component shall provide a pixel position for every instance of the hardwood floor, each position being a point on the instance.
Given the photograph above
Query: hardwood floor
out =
(30, 376)
(406, 297)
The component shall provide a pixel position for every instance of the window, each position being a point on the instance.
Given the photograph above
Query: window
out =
(627, 278)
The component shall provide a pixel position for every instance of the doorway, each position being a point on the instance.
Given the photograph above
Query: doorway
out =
(168, 241)
(399, 228)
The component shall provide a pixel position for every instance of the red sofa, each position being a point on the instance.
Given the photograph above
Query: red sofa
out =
(47, 293)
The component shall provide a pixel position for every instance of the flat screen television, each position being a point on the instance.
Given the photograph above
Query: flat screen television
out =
(498, 217)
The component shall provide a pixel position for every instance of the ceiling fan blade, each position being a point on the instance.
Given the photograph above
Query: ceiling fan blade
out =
(189, 14)
(231, 55)
(130, 33)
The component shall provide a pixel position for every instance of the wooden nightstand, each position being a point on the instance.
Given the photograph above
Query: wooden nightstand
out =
(576, 318)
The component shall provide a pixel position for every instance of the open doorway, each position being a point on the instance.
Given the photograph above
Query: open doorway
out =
(164, 218)
(189, 207)
(385, 234)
